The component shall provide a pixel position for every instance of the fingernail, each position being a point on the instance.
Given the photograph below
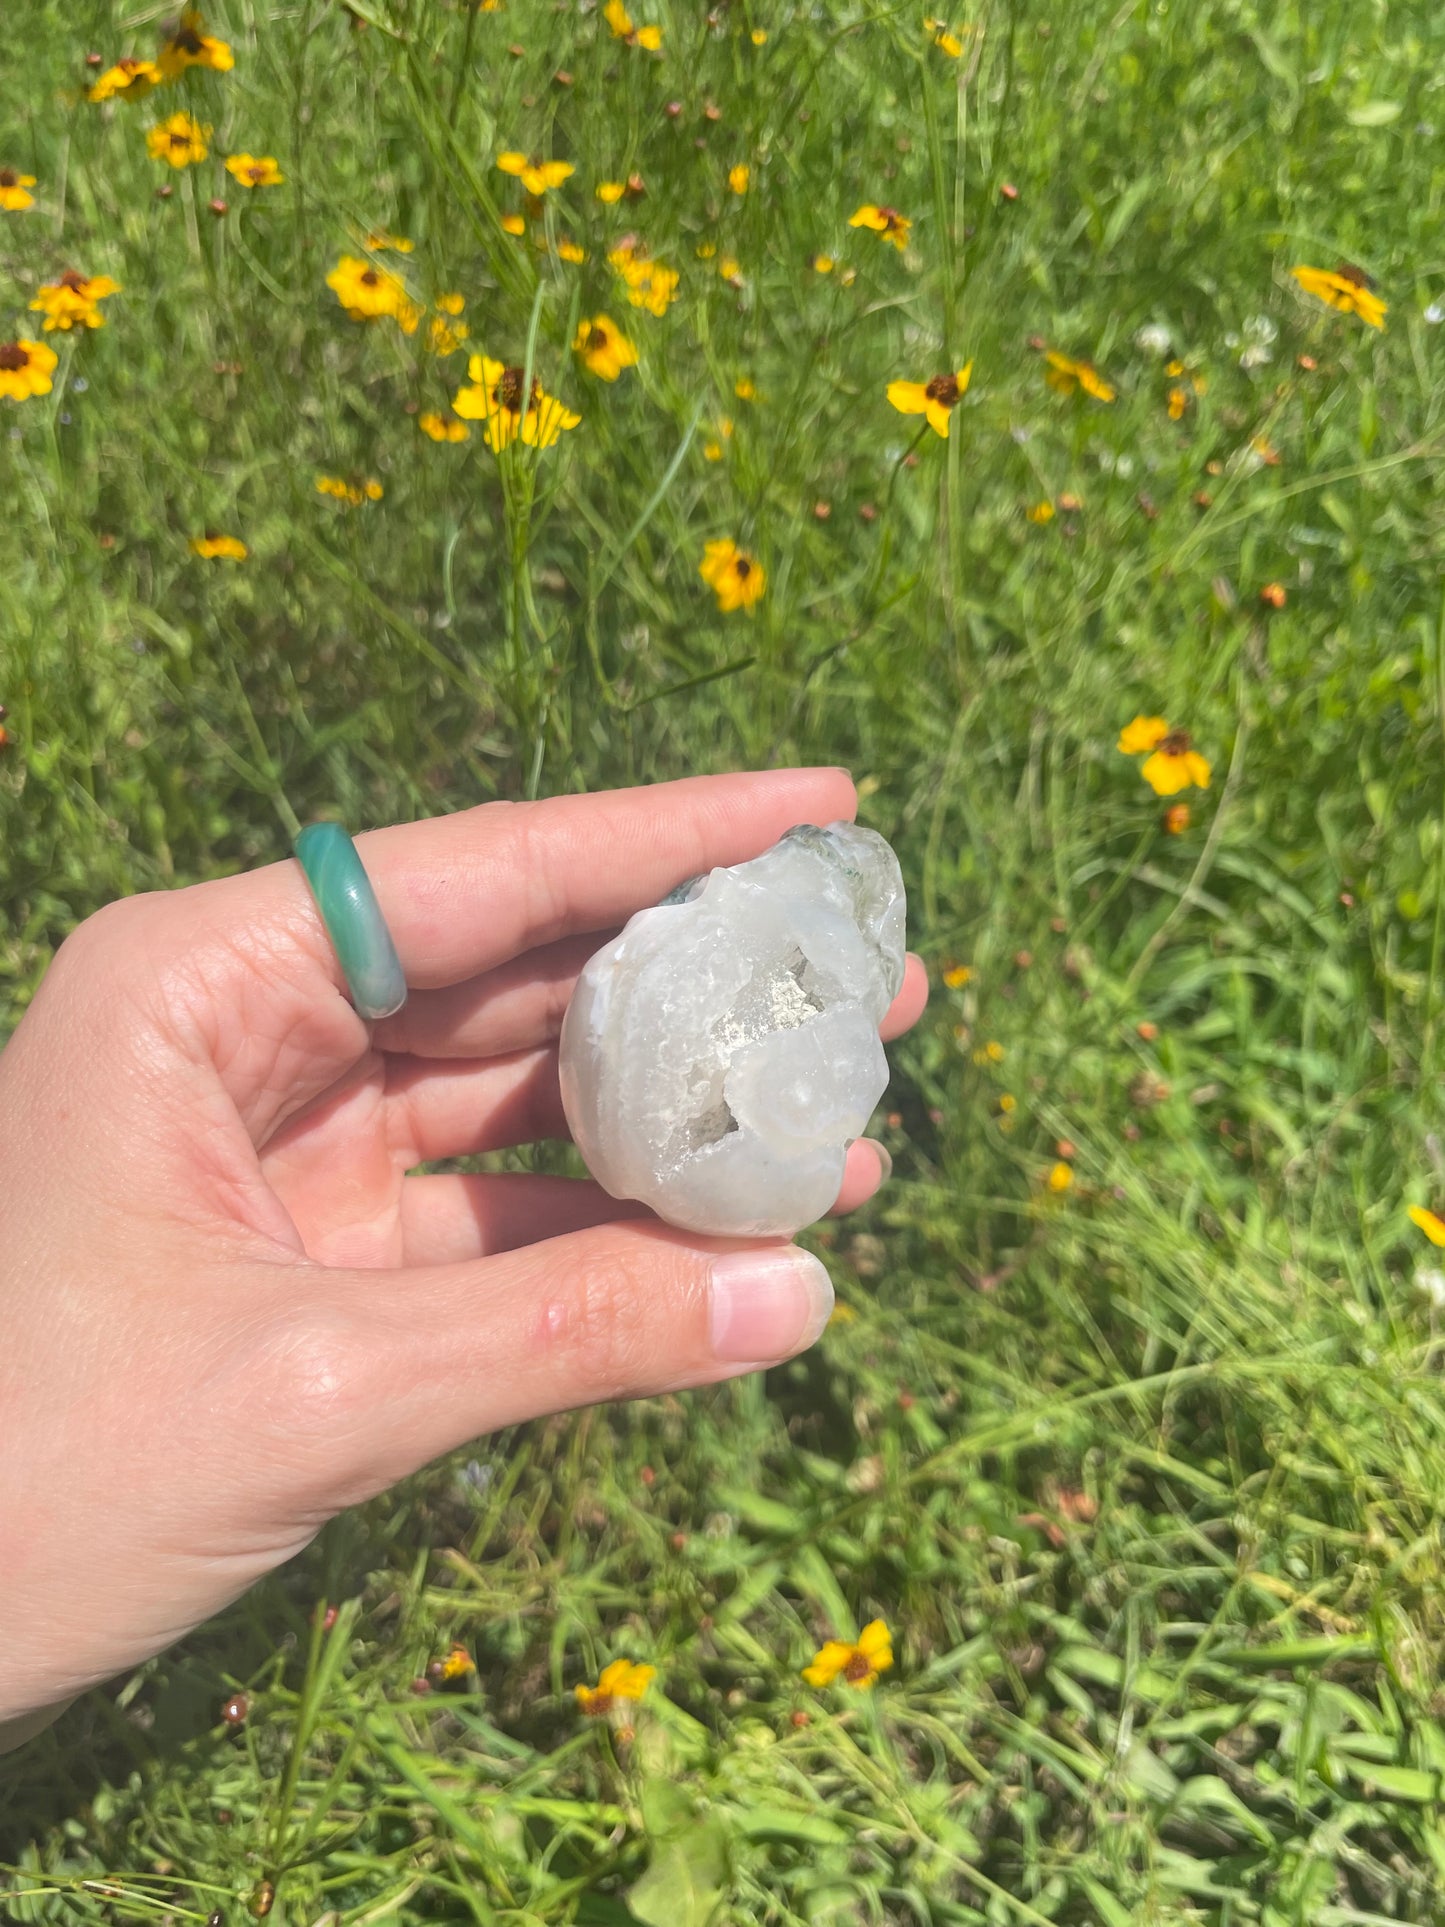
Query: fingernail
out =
(885, 1161)
(767, 1303)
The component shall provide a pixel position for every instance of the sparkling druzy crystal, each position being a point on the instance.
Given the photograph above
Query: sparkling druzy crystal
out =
(719, 1057)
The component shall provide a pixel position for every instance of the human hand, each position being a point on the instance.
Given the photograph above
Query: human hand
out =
(220, 1289)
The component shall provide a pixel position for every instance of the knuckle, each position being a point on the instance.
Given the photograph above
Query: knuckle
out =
(614, 1316)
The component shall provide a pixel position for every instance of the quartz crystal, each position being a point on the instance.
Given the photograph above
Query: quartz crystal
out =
(719, 1057)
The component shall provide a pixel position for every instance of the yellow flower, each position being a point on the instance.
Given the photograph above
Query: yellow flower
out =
(946, 41)
(858, 1663)
(255, 170)
(990, 1053)
(734, 577)
(1178, 402)
(1007, 1103)
(13, 196)
(514, 224)
(181, 140)
(455, 1665)
(442, 428)
(128, 79)
(712, 451)
(886, 221)
(739, 176)
(610, 192)
(445, 332)
(1060, 1177)
(758, 36)
(223, 546)
(189, 47)
(1068, 375)
(367, 292)
(957, 975)
(822, 264)
(378, 241)
(731, 270)
(604, 347)
(744, 388)
(71, 301)
(535, 176)
(1173, 765)
(620, 21)
(1430, 1222)
(1040, 512)
(934, 399)
(452, 304)
(494, 397)
(1347, 288)
(25, 369)
(622, 1680)
(352, 493)
(569, 251)
(649, 284)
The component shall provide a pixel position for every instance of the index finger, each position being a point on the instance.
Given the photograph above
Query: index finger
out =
(466, 892)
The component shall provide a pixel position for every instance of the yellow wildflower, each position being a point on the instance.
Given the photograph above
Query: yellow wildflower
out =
(1347, 288)
(1060, 1177)
(255, 170)
(352, 493)
(71, 301)
(604, 347)
(445, 333)
(1040, 511)
(934, 399)
(494, 396)
(649, 284)
(128, 79)
(514, 224)
(570, 251)
(758, 36)
(622, 1680)
(745, 388)
(181, 140)
(442, 428)
(455, 1664)
(734, 576)
(1430, 1222)
(944, 39)
(225, 547)
(368, 292)
(739, 177)
(25, 369)
(620, 21)
(822, 264)
(378, 241)
(1068, 375)
(13, 195)
(857, 1662)
(957, 975)
(1173, 764)
(990, 1053)
(535, 176)
(189, 47)
(884, 221)
(610, 192)
(1176, 819)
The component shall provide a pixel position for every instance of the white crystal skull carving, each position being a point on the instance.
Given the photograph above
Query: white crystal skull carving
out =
(719, 1057)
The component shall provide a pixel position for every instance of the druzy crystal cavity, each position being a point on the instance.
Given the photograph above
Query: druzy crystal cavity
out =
(719, 1056)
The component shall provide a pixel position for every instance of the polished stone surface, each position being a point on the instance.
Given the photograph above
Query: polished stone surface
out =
(353, 919)
(719, 1057)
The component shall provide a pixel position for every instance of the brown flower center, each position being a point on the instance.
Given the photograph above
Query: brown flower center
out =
(597, 337)
(8, 177)
(13, 357)
(858, 1668)
(255, 171)
(188, 41)
(1356, 277)
(742, 567)
(72, 279)
(1176, 743)
(943, 388)
(507, 392)
(891, 219)
(370, 278)
(180, 140)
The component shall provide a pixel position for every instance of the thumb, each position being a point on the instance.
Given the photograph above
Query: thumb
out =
(373, 1373)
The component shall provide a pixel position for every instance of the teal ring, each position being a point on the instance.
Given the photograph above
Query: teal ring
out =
(353, 919)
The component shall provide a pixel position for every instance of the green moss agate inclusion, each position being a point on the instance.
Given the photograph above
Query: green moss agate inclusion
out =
(353, 919)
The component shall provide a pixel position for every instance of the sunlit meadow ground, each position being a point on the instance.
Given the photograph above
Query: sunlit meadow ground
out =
(1145, 1474)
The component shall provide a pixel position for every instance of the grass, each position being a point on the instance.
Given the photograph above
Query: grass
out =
(1145, 1475)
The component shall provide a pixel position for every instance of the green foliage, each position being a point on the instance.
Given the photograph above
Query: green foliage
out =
(1147, 1476)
